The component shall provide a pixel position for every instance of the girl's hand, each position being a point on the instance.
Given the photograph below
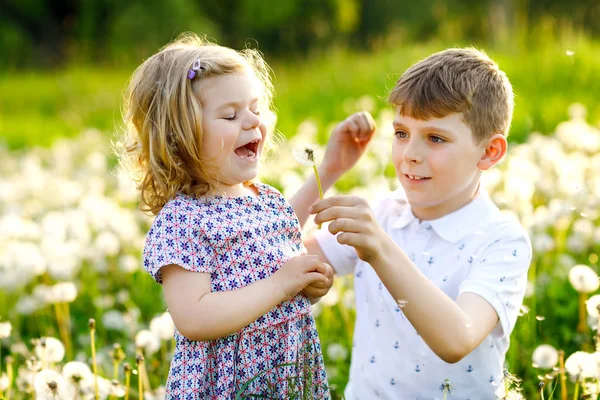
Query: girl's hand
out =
(299, 272)
(347, 143)
(316, 290)
(352, 217)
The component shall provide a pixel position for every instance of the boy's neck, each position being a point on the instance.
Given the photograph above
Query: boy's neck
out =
(438, 211)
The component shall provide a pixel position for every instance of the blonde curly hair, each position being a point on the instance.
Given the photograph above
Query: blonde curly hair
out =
(162, 113)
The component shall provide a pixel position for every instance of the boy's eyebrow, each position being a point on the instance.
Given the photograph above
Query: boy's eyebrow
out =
(398, 124)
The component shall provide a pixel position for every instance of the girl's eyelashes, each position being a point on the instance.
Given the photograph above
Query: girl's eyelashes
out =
(230, 118)
(256, 112)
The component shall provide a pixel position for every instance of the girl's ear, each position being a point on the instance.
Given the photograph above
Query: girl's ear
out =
(495, 148)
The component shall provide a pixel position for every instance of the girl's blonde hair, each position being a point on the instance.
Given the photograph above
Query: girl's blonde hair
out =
(161, 147)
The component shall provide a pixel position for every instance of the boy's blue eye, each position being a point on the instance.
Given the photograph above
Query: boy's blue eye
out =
(436, 139)
(401, 134)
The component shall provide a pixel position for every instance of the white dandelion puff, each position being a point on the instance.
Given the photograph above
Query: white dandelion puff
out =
(48, 384)
(148, 341)
(50, 350)
(337, 352)
(545, 357)
(584, 279)
(5, 329)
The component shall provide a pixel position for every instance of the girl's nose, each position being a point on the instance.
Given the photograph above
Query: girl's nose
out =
(252, 121)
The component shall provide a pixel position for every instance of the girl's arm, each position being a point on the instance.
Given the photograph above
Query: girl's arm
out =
(201, 315)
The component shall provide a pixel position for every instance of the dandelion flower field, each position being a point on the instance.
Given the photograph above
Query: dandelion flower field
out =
(80, 316)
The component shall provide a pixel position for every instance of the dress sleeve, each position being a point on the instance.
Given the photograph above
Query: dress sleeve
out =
(499, 275)
(177, 237)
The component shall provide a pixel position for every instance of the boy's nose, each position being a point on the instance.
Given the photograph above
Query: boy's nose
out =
(412, 154)
(252, 121)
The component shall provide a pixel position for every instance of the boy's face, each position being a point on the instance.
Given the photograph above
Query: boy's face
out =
(437, 163)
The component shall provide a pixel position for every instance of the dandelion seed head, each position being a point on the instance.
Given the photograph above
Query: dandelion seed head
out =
(545, 357)
(5, 329)
(583, 278)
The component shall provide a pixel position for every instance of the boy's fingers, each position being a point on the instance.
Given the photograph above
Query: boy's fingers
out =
(343, 201)
(345, 225)
(314, 277)
(371, 124)
(336, 213)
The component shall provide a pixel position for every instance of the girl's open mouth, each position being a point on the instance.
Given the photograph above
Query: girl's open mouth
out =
(249, 150)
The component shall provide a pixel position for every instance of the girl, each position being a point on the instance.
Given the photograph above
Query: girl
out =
(227, 251)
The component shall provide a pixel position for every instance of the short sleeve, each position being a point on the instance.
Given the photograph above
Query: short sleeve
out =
(177, 237)
(343, 258)
(499, 275)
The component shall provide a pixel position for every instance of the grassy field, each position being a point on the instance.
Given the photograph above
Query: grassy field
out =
(38, 106)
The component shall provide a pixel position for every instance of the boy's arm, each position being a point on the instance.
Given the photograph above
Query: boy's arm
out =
(451, 329)
(346, 145)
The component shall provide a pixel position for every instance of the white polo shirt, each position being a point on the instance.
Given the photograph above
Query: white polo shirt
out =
(475, 249)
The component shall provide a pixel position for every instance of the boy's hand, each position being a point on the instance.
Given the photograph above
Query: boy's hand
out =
(352, 217)
(316, 290)
(348, 142)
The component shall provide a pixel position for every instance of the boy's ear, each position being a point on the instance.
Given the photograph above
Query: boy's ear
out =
(495, 148)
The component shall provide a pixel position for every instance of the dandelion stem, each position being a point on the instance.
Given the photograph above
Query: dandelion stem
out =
(582, 326)
(92, 325)
(139, 360)
(563, 377)
(9, 370)
(67, 328)
(319, 186)
(576, 394)
(127, 370)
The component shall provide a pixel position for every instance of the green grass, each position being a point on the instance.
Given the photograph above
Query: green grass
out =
(39, 106)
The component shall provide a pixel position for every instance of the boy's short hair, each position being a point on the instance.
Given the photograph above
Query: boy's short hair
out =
(457, 80)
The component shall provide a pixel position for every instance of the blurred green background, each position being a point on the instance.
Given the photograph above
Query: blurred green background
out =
(64, 65)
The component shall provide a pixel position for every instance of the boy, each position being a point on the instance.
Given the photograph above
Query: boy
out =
(440, 272)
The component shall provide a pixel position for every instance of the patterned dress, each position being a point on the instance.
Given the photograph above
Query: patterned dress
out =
(239, 241)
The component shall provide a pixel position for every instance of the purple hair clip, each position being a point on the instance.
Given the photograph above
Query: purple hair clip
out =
(196, 67)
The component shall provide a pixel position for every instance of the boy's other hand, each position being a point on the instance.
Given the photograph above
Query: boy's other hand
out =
(318, 289)
(348, 142)
(353, 219)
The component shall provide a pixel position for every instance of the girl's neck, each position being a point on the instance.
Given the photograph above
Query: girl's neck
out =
(240, 190)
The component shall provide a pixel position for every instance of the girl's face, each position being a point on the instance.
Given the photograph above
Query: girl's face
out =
(233, 134)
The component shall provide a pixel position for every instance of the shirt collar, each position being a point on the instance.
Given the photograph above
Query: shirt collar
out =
(456, 225)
